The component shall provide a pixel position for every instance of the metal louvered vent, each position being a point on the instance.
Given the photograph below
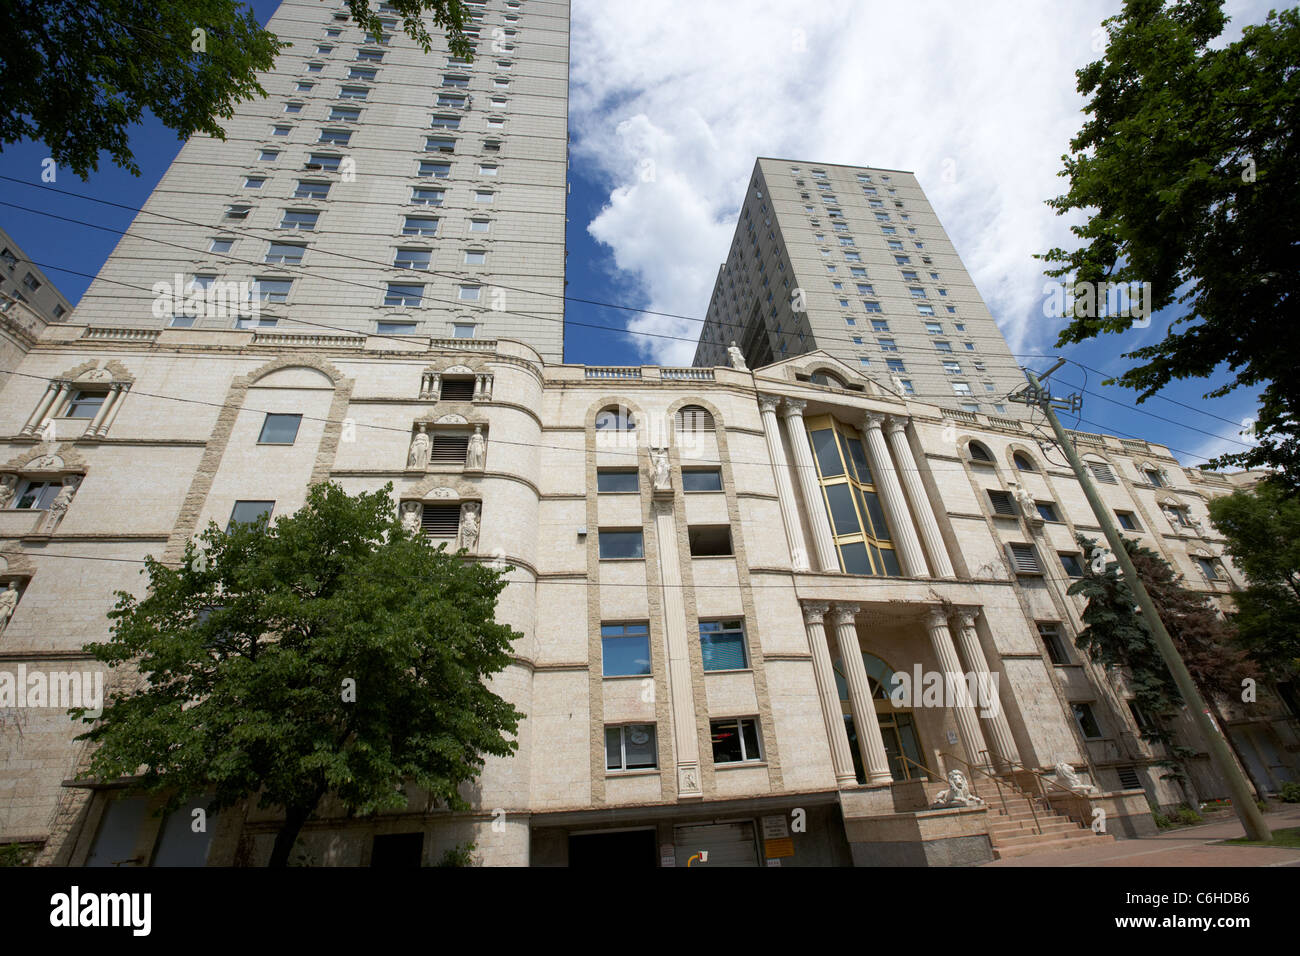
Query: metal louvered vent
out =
(457, 390)
(1128, 778)
(449, 449)
(1102, 473)
(1024, 559)
(441, 521)
(1001, 501)
(693, 418)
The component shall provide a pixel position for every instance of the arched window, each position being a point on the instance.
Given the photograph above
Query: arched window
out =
(693, 418)
(827, 379)
(615, 418)
(1023, 462)
(979, 453)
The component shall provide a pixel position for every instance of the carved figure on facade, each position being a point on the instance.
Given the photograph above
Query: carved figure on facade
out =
(59, 506)
(418, 456)
(469, 526)
(412, 516)
(8, 487)
(476, 451)
(660, 470)
(736, 358)
(8, 602)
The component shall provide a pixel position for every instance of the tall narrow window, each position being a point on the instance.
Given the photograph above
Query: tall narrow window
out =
(862, 535)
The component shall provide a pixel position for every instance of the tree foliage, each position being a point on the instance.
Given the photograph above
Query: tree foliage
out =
(1187, 168)
(248, 650)
(1262, 529)
(78, 74)
(1115, 635)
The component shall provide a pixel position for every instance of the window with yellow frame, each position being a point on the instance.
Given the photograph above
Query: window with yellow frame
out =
(862, 535)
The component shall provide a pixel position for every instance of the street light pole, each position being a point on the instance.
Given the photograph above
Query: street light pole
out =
(1243, 800)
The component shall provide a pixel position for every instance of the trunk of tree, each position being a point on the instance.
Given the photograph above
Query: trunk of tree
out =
(294, 818)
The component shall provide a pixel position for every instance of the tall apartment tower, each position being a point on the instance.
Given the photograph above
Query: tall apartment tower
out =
(853, 261)
(377, 189)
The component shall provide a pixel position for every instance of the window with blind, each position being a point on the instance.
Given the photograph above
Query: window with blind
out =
(693, 418)
(978, 452)
(1050, 633)
(1024, 559)
(449, 449)
(722, 645)
(1001, 502)
(1101, 472)
(456, 390)
(441, 521)
(862, 536)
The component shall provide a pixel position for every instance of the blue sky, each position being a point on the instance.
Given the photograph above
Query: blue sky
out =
(979, 106)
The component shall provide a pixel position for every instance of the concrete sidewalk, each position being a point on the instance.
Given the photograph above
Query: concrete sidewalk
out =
(1187, 846)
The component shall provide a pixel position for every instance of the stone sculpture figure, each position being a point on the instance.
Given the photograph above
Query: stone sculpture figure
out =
(469, 526)
(8, 601)
(8, 486)
(896, 380)
(1027, 503)
(958, 793)
(736, 357)
(412, 513)
(1067, 778)
(418, 456)
(661, 473)
(476, 453)
(59, 506)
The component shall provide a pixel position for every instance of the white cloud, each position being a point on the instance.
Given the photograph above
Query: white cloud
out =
(672, 102)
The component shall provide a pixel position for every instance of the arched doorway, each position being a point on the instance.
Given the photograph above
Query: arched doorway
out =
(897, 725)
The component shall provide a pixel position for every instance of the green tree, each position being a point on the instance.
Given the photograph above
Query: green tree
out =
(78, 74)
(1262, 529)
(1186, 168)
(1115, 635)
(334, 653)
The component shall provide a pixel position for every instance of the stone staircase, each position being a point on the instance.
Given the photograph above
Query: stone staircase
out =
(1013, 832)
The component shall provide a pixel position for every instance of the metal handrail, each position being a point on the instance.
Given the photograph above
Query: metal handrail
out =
(1028, 799)
(1041, 776)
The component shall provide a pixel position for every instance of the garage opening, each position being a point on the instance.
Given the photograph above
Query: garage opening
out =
(619, 848)
(717, 844)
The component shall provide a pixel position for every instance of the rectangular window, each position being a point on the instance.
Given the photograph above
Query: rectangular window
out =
(250, 512)
(1127, 520)
(335, 137)
(701, 479)
(480, 225)
(370, 56)
(907, 387)
(943, 346)
(436, 170)
(364, 73)
(625, 650)
(1050, 633)
(405, 295)
(620, 481)
(722, 645)
(463, 330)
(85, 404)
(37, 495)
(248, 322)
(274, 290)
(1153, 478)
(394, 328)
(450, 99)
(303, 220)
(1047, 511)
(1209, 568)
(487, 170)
(238, 211)
(326, 161)
(1086, 720)
(279, 130)
(422, 196)
(469, 293)
(484, 195)
(735, 740)
(1070, 562)
(279, 429)
(268, 155)
(630, 747)
(345, 114)
(221, 245)
(353, 92)
(454, 81)
(293, 107)
(710, 541)
(254, 182)
(474, 257)
(445, 122)
(954, 368)
(285, 253)
(412, 259)
(895, 365)
(618, 545)
(417, 226)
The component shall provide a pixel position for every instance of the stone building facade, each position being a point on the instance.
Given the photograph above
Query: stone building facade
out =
(716, 573)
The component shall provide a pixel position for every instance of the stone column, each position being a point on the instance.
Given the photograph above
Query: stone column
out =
(122, 389)
(814, 614)
(784, 489)
(93, 428)
(940, 562)
(968, 724)
(871, 745)
(53, 395)
(969, 641)
(823, 541)
(891, 494)
(682, 702)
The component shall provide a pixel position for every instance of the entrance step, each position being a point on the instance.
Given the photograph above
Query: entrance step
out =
(1019, 830)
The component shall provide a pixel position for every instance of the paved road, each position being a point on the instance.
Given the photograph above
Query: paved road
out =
(1188, 846)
